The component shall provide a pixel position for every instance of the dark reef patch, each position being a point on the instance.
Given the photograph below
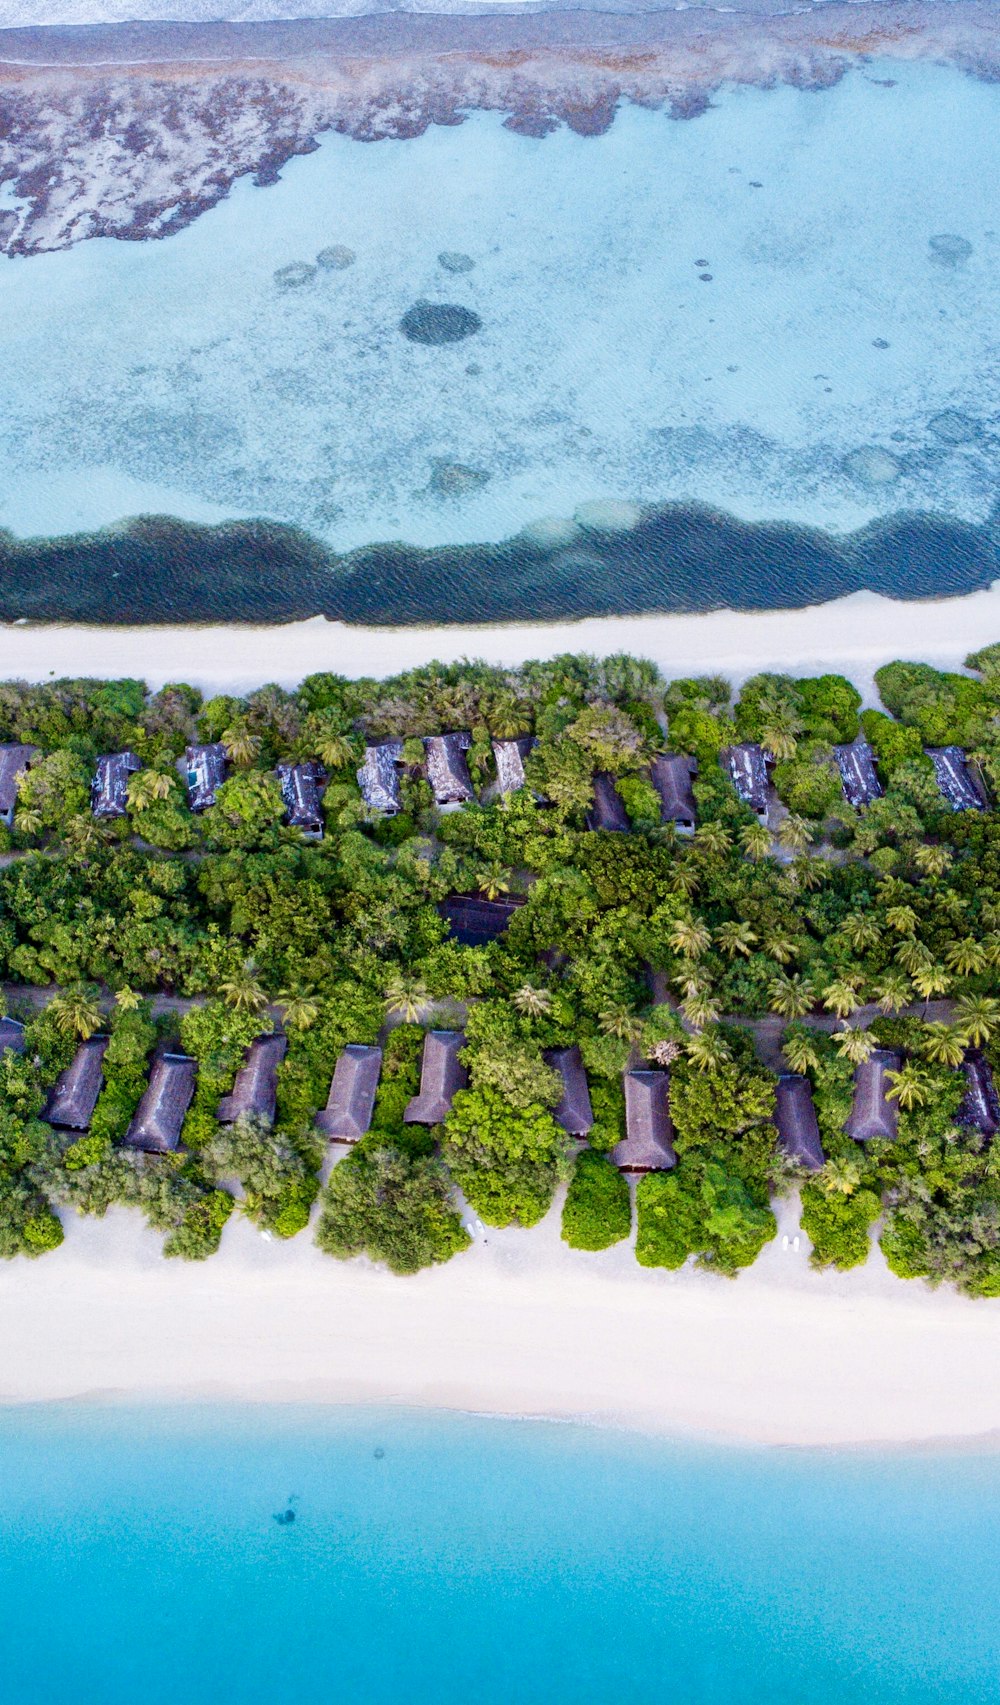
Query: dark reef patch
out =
(680, 557)
(439, 322)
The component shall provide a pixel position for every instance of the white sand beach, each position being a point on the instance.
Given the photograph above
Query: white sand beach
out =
(519, 1325)
(854, 635)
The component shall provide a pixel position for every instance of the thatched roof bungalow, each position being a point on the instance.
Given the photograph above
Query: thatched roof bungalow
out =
(858, 778)
(980, 1107)
(11, 1035)
(671, 774)
(254, 1094)
(348, 1111)
(14, 760)
(159, 1117)
(873, 1114)
(109, 788)
(378, 777)
(574, 1112)
(71, 1104)
(648, 1144)
(796, 1122)
(447, 769)
(955, 780)
(442, 1075)
(473, 920)
(608, 810)
(300, 785)
(204, 772)
(747, 768)
(509, 756)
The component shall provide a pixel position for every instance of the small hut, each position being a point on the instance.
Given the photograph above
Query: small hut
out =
(348, 1111)
(980, 1107)
(378, 777)
(204, 772)
(109, 788)
(671, 774)
(648, 1144)
(747, 768)
(447, 769)
(574, 1112)
(300, 785)
(473, 920)
(11, 1035)
(254, 1094)
(873, 1114)
(159, 1117)
(14, 761)
(858, 778)
(74, 1095)
(509, 756)
(608, 810)
(442, 1074)
(796, 1122)
(955, 780)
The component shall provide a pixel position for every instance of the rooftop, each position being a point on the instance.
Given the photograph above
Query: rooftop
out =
(300, 785)
(872, 1114)
(648, 1144)
(255, 1091)
(159, 1117)
(378, 777)
(746, 767)
(74, 1096)
(351, 1102)
(447, 769)
(608, 810)
(955, 780)
(796, 1121)
(205, 772)
(574, 1112)
(671, 775)
(109, 788)
(473, 920)
(442, 1074)
(858, 778)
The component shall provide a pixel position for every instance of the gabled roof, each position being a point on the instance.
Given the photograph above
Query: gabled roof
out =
(980, 1107)
(300, 792)
(574, 1112)
(442, 1074)
(11, 1035)
(205, 772)
(608, 810)
(858, 778)
(473, 920)
(447, 770)
(872, 1114)
(378, 777)
(255, 1091)
(109, 788)
(671, 774)
(955, 779)
(14, 760)
(74, 1095)
(348, 1111)
(746, 767)
(648, 1145)
(796, 1121)
(156, 1126)
(510, 756)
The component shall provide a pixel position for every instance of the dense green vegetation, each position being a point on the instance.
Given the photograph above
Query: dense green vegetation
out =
(198, 931)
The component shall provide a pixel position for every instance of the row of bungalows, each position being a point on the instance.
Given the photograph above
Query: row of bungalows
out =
(749, 765)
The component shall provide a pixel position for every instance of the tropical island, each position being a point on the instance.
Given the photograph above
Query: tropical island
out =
(421, 950)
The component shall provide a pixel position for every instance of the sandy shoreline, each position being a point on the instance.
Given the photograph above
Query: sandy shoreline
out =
(518, 1327)
(852, 635)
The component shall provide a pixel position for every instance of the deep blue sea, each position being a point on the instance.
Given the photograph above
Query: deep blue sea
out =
(433, 1559)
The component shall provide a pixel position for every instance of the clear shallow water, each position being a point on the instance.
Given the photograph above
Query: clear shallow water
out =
(139, 1559)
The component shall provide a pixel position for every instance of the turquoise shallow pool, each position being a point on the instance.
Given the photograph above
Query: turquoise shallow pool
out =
(434, 1559)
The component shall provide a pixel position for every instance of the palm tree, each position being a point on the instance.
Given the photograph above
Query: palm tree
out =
(241, 744)
(855, 1044)
(978, 1017)
(782, 948)
(690, 937)
(841, 996)
(800, 1051)
(932, 861)
(683, 879)
(903, 919)
(909, 1087)
(700, 1009)
(794, 833)
(406, 996)
(146, 787)
(912, 954)
(76, 1012)
(621, 1022)
(126, 1000)
(333, 750)
(755, 840)
(943, 1044)
(713, 838)
(862, 932)
(706, 1050)
(930, 980)
(790, 997)
(242, 991)
(991, 948)
(533, 1002)
(779, 726)
(840, 1177)
(299, 1008)
(492, 881)
(27, 820)
(966, 957)
(734, 937)
(893, 992)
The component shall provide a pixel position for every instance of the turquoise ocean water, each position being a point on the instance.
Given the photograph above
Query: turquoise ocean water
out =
(436, 1558)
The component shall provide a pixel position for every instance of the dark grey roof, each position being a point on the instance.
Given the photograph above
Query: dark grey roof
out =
(109, 788)
(648, 1145)
(955, 779)
(156, 1126)
(255, 1091)
(872, 1115)
(574, 1112)
(510, 756)
(74, 1095)
(300, 792)
(442, 1074)
(608, 810)
(205, 772)
(447, 770)
(378, 777)
(980, 1107)
(473, 920)
(796, 1121)
(11, 1035)
(858, 779)
(14, 760)
(746, 767)
(671, 775)
(348, 1112)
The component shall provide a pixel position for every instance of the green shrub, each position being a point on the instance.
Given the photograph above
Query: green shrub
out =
(597, 1211)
